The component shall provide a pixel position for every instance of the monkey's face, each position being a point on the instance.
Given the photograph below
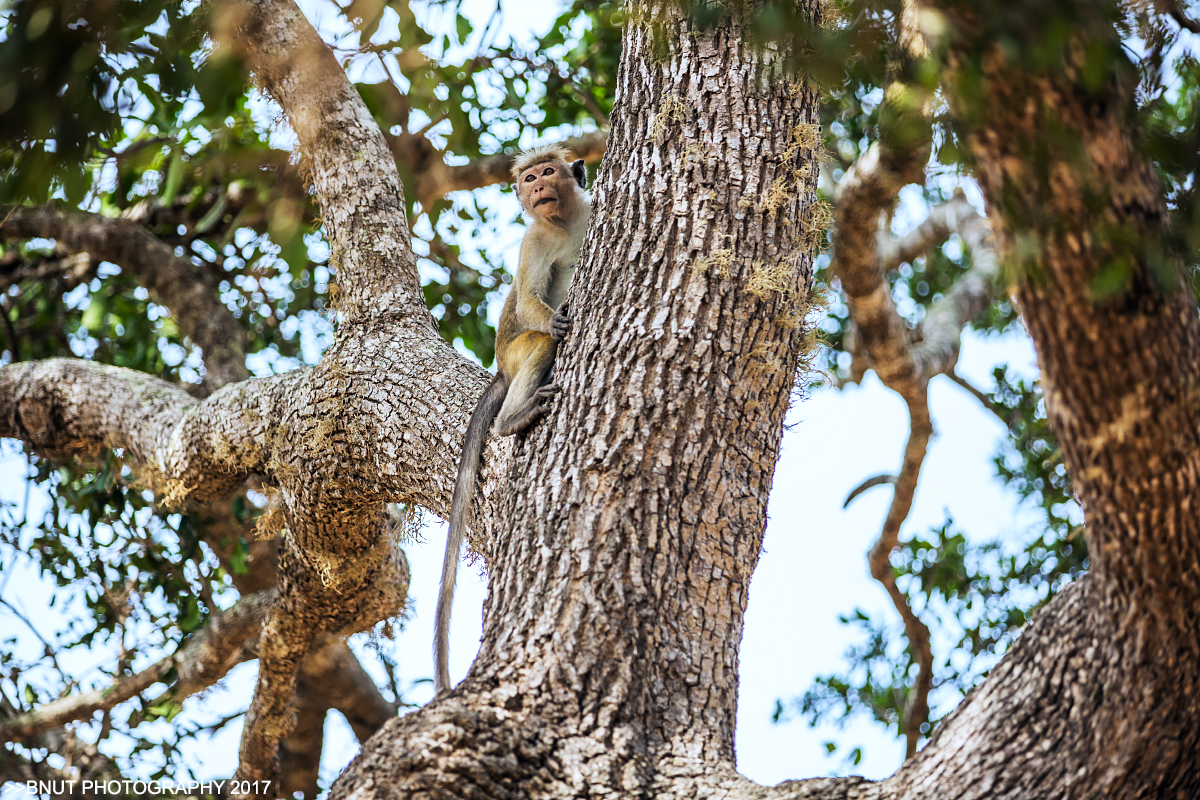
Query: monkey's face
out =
(546, 189)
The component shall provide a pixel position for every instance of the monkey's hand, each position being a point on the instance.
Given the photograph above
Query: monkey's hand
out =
(559, 323)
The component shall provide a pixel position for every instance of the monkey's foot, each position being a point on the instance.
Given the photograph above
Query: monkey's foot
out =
(545, 394)
(533, 410)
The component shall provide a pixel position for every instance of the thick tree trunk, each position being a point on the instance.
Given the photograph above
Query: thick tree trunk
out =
(621, 555)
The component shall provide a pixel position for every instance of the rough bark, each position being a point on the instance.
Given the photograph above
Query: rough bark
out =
(618, 579)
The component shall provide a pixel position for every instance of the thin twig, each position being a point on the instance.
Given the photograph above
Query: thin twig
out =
(869, 483)
(49, 649)
(1005, 414)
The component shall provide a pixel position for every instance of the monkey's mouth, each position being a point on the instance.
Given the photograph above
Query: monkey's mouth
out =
(545, 200)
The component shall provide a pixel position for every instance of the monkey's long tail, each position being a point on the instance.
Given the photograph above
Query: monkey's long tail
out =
(468, 469)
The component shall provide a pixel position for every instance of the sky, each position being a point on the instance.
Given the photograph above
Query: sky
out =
(813, 569)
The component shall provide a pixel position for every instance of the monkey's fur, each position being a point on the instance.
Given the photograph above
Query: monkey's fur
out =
(551, 190)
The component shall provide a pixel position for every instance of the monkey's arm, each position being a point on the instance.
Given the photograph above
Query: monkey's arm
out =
(535, 271)
(532, 311)
(534, 314)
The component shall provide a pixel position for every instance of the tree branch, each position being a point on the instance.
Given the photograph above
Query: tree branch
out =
(869, 483)
(331, 674)
(200, 662)
(941, 331)
(972, 292)
(175, 282)
(870, 186)
(355, 695)
(352, 170)
(1005, 414)
(916, 712)
(438, 179)
(330, 677)
(63, 407)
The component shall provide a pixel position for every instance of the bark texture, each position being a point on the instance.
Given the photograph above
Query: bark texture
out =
(615, 604)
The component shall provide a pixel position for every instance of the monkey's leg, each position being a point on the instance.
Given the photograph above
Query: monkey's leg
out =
(528, 392)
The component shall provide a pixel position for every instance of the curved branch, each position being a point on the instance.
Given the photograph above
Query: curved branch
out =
(1005, 414)
(200, 662)
(330, 677)
(869, 483)
(177, 283)
(439, 178)
(300, 752)
(284, 642)
(354, 695)
(916, 713)
(352, 170)
(871, 186)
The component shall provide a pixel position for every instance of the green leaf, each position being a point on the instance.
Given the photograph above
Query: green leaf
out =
(174, 178)
(93, 318)
(168, 709)
(239, 558)
(191, 615)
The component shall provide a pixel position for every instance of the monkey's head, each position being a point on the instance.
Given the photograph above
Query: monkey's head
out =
(548, 183)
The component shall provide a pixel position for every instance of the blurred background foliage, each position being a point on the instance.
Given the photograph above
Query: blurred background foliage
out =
(127, 108)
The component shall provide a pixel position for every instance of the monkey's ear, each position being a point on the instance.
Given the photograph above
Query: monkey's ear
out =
(580, 173)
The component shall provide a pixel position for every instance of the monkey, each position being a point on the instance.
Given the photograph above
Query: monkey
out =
(552, 191)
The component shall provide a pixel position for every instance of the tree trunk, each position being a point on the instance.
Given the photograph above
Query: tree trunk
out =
(633, 518)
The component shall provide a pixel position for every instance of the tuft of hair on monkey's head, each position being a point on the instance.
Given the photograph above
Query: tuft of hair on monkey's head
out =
(560, 170)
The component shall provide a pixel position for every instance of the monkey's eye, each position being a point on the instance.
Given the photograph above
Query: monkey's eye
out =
(548, 171)
(529, 177)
